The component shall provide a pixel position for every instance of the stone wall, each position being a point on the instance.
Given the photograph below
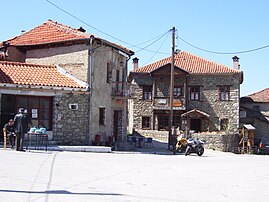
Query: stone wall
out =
(209, 99)
(216, 140)
(71, 127)
(78, 61)
(74, 59)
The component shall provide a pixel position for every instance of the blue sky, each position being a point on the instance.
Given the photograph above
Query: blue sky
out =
(221, 26)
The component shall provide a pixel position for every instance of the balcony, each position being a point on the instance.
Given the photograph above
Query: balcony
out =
(121, 90)
(163, 103)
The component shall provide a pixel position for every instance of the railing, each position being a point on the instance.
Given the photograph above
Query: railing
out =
(164, 103)
(121, 89)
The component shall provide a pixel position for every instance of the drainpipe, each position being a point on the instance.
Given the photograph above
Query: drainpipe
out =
(90, 85)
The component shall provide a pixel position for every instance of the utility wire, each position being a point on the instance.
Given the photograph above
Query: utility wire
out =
(223, 53)
(82, 21)
(157, 50)
(153, 42)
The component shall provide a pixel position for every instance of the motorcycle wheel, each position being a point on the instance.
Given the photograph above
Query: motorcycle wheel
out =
(200, 151)
(188, 151)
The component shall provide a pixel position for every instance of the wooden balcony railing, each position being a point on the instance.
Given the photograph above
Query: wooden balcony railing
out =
(164, 103)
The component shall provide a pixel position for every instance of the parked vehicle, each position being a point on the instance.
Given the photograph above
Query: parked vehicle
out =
(181, 144)
(194, 146)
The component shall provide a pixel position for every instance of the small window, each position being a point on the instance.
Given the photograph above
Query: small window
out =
(108, 72)
(224, 92)
(178, 91)
(195, 93)
(102, 116)
(145, 122)
(147, 92)
(224, 124)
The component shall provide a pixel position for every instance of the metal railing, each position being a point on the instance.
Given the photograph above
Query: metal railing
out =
(121, 89)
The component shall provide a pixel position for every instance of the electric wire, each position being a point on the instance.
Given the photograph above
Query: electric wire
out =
(223, 53)
(157, 49)
(152, 42)
(131, 45)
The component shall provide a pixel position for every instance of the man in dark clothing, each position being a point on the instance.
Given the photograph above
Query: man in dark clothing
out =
(10, 132)
(22, 122)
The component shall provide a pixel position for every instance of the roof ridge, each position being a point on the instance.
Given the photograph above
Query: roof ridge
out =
(65, 28)
(200, 57)
(255, 93)
(28, 64)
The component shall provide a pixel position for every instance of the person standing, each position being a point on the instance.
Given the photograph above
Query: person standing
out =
(10, 132)
(21, 125)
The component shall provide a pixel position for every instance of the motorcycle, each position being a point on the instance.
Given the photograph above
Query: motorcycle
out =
(181, 144)
(194, 146)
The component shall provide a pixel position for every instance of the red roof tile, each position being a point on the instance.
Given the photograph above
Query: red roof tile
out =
(190, 63)
(35, 75)
(48, 32)
(53, 32)
(261, 96)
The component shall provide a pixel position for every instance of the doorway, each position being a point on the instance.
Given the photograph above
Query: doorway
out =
(196, 125)
(117, 125)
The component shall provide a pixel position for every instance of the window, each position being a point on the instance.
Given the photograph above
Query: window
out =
(147, 92)
(224, 92)
(145, 122)
(38, 108)
(163, 122)
(102, 116)
(108, 72)
(178, 91)
(224, 124)
(195, 93)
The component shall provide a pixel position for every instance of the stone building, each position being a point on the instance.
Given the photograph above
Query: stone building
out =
(254, 110)
(205, 96)
(90, 59)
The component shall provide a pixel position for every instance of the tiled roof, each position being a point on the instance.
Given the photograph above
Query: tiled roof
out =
(261, 96)
(191, 63)
(48, 32)
(35, 75)
(54, 32)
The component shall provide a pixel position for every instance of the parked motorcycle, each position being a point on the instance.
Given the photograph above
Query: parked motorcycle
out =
(195, 146)
(181, 144)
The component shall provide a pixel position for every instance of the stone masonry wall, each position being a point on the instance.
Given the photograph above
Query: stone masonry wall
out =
(216, 140)
(71, 127)
(74, 59)
(209, 101)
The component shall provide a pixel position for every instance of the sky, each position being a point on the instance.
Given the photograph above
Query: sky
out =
(143, 26)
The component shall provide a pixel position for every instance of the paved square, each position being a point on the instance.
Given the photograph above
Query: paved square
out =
(129, 176)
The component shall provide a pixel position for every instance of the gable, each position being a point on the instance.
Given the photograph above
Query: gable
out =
(166, 69)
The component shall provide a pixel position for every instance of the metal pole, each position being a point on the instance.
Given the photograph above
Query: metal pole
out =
(170, 142)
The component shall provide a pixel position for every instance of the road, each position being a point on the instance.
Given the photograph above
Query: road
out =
(130, 176)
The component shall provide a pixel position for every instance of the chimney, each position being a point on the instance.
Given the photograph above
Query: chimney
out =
(236, 64)
(135, 63)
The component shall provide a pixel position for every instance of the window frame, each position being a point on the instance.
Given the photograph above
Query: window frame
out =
(147, 92)
(224, 93)
(102, 115)
(194, 93)
(224, 124)
(146, 122)
(179, 90)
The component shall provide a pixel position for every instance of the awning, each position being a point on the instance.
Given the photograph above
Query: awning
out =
(249, 127)
(196, 113)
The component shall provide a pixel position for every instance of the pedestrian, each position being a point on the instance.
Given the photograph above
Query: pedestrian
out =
(10, 132)
(21, 125)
